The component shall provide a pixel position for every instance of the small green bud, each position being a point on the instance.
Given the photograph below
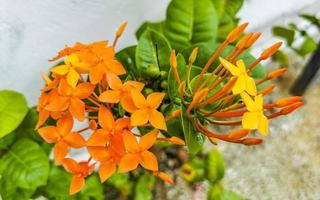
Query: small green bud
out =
(215, 192)
(164, 84)
(164, 74)
(163, 107)
(214, 168)
(147, 91)
(152, 71)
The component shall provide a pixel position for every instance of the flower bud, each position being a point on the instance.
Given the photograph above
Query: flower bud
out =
(277, 73)
(270, 51)
(238, 134)
(242, 43)
(177, 141)
(173, 59)
(193, 55)
(252, 40)
(252, 141)
(235, 33)
(290, 108)
(267, 89)
(121, 29)
(287, 101)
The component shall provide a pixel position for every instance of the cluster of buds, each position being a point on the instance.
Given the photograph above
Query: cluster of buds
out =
(87, 87)
(238, 97)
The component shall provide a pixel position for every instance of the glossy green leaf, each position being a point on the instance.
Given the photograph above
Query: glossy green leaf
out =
(189, 22)
(9, 191)
(152, 54)
(26, 128)
(194, 140)
(156, 26)
(174, 127)
(143, 189)
(312, 19)
(285, 33)
(13, 109)
(232, 7)
(308, 46)
(127, 58)
(26, 164)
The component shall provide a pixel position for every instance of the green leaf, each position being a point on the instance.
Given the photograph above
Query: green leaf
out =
(281, 58)
(7, 140)
(189, 22)
(143, 189)
(228, 195)
(93, 189)
(232, 7)
(308, 46)
(156, 26)
(174, 127)
(173, 86)
(152, 54)
(127, 58)
(194, 140)
(26, 164)
(283, 32)
(26, 128)
(13, 108)
(312, 19)
(9, 191)
(58, 184)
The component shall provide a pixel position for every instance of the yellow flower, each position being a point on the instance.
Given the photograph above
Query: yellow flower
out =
(244, 81)
(254, 118)
(72, 69)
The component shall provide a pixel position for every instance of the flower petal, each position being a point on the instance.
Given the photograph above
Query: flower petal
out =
(77, 108)
(250, 120)
(149, 161)
(250, 104)
(263, 125)
(114, 82)
(96, 74)
(73, 77)
(43, 116)
(138, 99)
(106, 170)
(155, 99)
(128, 163)
(70, 165)
(83, 90)
(60, 151)
(98, 138)
(130, 142)
(241, 66)
(251, 86)
(49, 134)
(65, 124)
(77, 183)
(148, 139)
(98, 153)
(74, 140)
(61, 69)
(105, 118)
(157, 120)
(230, 67)
(240, 85)
(139, 117)
(110, 96)
(127, 103)
(128, 85)
(64, 88)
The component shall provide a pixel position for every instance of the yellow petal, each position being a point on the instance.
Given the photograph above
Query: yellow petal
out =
(72, 59)
(250, 120)
(263, 125)
(240, 85)
(251, 86)
(241, 65)
(259, 101)
(251, 105)
(157, 120)
(73, 77)
(230, 67)
(61, 69)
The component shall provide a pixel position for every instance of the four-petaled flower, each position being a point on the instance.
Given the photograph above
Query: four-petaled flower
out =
(72, 69)
(62, 136)
(80, 171)
(137, 153)
(147, 110)
(254, 118)
(244, 81)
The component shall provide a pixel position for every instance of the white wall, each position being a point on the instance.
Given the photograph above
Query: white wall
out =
(32, 31)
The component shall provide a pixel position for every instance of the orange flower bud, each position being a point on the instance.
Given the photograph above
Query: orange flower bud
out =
(177, 141)
(237, 134)
(173, 59)
(252, 141)
(235, 33)
(252, 40)
(270, 51)
(290, 108)
(198, 96)
(242, 43)
(267, 90)
(277, 73)
(164, 177)
(287, 101)
(176, 113)
(121, 29)
(193, 55)
(93, 124)
(213, 140)
(182, 87)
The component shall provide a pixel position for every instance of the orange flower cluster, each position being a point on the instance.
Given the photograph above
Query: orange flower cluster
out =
(87, 87)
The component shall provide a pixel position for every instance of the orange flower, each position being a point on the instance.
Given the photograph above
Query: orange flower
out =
(80, 171)
(68, 98)
(121, 92)
(147, 110)
(105, 64)
(137, 153)
(62, 136)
